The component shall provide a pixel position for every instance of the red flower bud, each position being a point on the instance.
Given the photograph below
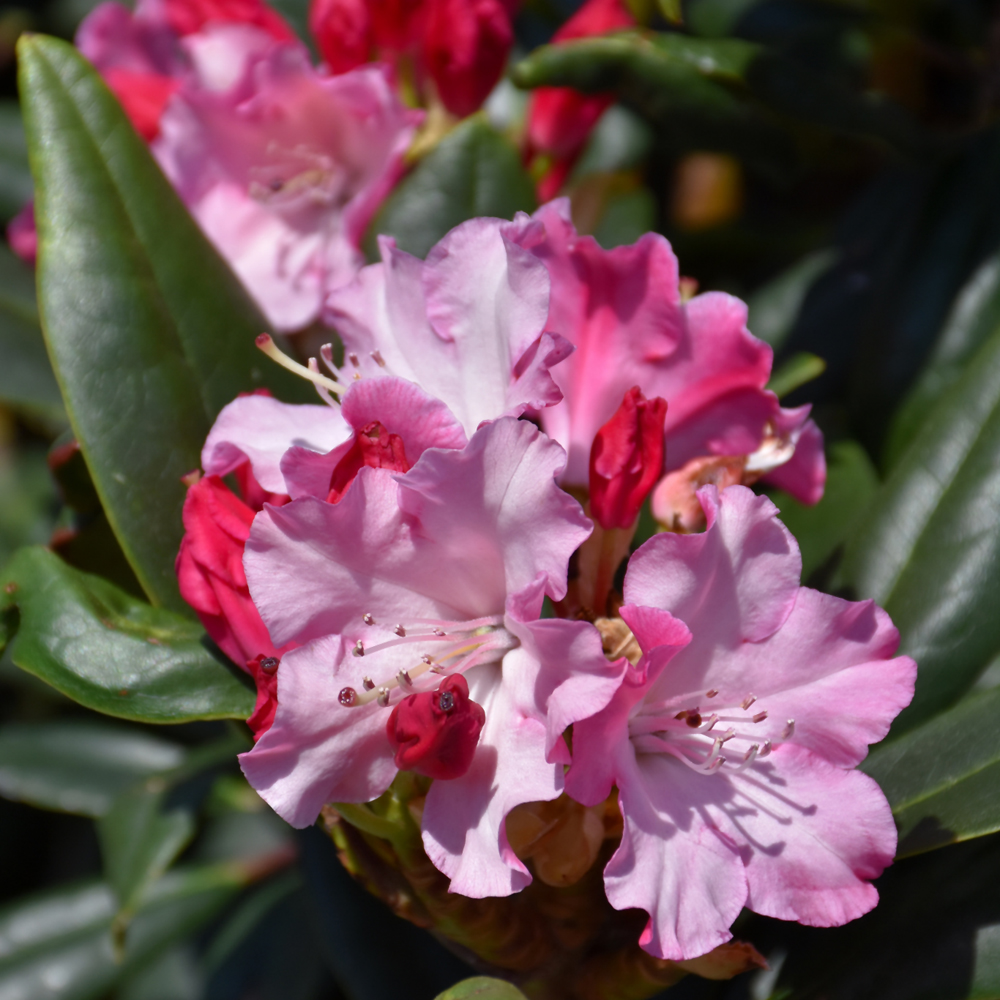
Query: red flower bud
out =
(560, 118)
(398, 24)
(626, 459)
(264, 670)
(188, 16)
(465, 49)
(143, 96)
(435, 733)
(22, 234)
(343, 32)
(210, 569)
(373, 446)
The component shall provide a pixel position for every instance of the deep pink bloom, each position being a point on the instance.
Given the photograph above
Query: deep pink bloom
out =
(440, 571)
(144, 96)
(733, 740)
(264, 671)
(622, 310)
(626, 460)
(284, 168)
(343, 32)
(467, 325)
(189, 16)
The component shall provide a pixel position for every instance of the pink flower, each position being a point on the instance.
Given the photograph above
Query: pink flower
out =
(23, 235)
(284, 168)
(440, 571)
(467, 325)
(733, 739)
(622, 310)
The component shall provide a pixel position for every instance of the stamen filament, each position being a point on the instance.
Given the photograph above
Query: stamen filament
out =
(265, 342)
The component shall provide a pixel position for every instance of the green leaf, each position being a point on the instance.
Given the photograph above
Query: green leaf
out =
(795, 372)
(139, 842)
(58, 945)
(975, 315)
(15, 174)
(111, 652)
(149, 331)
(481, 988)
(942, 779)
(929, 548)
(78, 767)
(851, 481)
(26, 377)
(473, 171)
(775, 307)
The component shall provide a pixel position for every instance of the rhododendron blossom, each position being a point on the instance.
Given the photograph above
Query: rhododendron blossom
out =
(622, 310)
(467, 325)
(732, 740)
(403, 592)
(284, 169)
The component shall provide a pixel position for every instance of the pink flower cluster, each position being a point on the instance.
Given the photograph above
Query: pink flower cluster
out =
(384, 576)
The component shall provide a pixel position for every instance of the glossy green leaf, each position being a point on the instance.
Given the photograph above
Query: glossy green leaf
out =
(139, 842)
(775, 306)
(111, 652)
(482, 988)
(851, 481)
(149, 331)
(795, 372)
(473, 171)
(15, 174)
(78, 767)
(975, 315)
(58, 945)
(26, 377)
(929, 548)
(690, 88)
(934, 935)
(942, 779)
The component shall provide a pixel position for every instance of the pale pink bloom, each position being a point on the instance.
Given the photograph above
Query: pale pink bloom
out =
(282, 166)
(438, 571)
(622, 310)
(733, 740)
(467, 325)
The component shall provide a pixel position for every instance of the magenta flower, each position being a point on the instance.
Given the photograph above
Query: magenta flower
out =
(467, 325)
(732, 740)
(406, 584)
(283, 167)
(623, 312)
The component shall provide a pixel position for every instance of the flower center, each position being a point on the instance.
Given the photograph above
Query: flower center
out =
(448, 647)
(705, 742)
(298, 177)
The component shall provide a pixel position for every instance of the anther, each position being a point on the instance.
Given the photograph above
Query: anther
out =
(367, 683)
(269, 664)
(427, 658)
(748, 701)
(383, 696)
(378, 359)
(752, 752)
(400, 631)
(438, 669)
(439, 632)
(404, 678)
(368, 619)
(760, 717)
(359, 648)
(765, 748)
(353, 358)
(712, 693)
(788, 730)
(347, 697)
